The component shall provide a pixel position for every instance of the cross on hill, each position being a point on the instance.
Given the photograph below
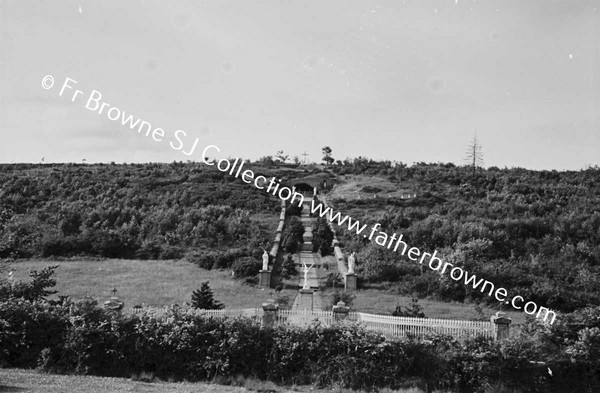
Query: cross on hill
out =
(305, 155)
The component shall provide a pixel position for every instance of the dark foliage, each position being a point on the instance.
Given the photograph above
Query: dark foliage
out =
(79, 337)
(322, 237)
(203, 298)
(292, 235)
(415, 310)
(288, 268)
(157, 211)
(38, 288)
(294, 209)
(536, 233)
(246, 267)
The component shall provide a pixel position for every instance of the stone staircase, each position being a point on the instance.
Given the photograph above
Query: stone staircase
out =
(306, 256)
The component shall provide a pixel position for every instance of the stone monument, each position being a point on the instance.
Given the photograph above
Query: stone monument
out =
(264, 279)
(114, 304)
(350, 278)
(351, 262)
(305, 270)
(265, 259)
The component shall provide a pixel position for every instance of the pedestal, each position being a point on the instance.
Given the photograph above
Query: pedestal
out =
(306, 299)
(340, 311)
(501, 325)
(350, 282)
(270, 309)
(264, 279)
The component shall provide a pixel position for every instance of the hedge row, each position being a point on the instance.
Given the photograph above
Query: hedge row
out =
(82, 338)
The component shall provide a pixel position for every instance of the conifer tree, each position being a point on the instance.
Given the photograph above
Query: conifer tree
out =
(203, 298)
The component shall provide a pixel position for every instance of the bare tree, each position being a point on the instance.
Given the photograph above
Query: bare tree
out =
(474, 156)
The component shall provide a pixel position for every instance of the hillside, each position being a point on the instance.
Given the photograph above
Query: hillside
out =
(535, 232)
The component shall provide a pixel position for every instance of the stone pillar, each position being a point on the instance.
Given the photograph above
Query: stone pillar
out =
(350, 282)
(264, 280)
(271, 311)
(501, 325)
(340, 311)
(306, 299)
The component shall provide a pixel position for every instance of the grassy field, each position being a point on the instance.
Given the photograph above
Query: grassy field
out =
(158, 283)
(351, 188)
(150, 283)
(27, 381)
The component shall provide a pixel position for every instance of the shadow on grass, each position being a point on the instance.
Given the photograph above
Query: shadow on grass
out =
(11, 389)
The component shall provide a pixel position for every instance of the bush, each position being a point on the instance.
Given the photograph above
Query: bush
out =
(80, 337)
(334, 280)
(36, 289)
(294, 210)
(246, 267)
(322, 237)
(414, 310)
(341, 295)
(371, 189)
(288, 268)
(293, 235)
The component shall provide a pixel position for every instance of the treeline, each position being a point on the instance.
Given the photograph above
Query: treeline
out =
(536, 233)
(128, 211)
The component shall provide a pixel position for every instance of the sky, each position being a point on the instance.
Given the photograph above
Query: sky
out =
(408, 81)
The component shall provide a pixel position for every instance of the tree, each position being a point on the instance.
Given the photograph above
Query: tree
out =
(293, 235)
(327, 155)
(322, 237)
(288, 268)
(36, 289)
(203, 298)
(474, 156)
(281, 157)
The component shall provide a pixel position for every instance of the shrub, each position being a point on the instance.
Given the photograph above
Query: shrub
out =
(414, 310)
(294, 210)
(246, 267)
(340, 295)
(292, 235)
(322, 237)
(334, 280)
(36, 289)
(371, 189)
(288, 267)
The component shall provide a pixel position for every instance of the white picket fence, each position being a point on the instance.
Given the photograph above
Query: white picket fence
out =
(160, 311)
(390, 326)
(420, 327)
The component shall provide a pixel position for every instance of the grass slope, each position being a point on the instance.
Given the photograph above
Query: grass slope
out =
(27, 381)
(152, 283)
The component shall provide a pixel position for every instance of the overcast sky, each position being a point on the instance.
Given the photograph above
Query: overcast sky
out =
(401, 80)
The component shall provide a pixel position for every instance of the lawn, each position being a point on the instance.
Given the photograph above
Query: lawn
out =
(150, 283)
(27, 381)
(158, 283)
(381, 301)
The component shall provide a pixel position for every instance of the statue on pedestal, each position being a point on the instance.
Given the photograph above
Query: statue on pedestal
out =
(351, 262)
(305, 270)
(265, 258)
